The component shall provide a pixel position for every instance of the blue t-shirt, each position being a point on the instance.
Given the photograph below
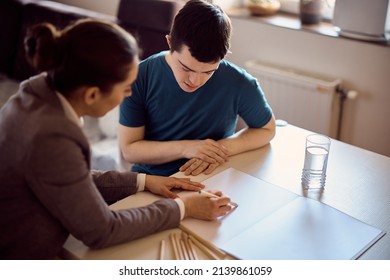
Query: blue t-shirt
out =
(169, 113)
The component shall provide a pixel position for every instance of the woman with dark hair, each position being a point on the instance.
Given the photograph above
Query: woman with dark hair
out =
(186, 101)
(47, 190)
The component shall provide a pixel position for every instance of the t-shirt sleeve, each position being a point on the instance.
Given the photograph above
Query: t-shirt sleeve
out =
(253, 106)
(132, 109)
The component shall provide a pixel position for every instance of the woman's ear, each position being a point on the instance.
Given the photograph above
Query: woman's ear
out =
(168, 38)
(91, 95)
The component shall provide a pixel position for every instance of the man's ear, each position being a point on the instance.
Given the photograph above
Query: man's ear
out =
(168, 38)
(91, 95)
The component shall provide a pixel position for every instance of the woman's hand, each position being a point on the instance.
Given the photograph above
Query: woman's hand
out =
(163, 185)
(205, 208)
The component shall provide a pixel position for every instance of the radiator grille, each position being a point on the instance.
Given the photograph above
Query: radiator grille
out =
(299, 98)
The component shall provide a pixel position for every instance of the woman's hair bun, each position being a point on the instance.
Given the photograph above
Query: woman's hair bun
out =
(41, 46)
(87, 52)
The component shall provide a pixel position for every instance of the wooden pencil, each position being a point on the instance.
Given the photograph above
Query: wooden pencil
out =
(206, 247)
(203, 248)
(173, 242)
(162, 249)
(185, 251)
(178, 246)
(208, 194)
(184, 239)
(192, 249)
(221, 254)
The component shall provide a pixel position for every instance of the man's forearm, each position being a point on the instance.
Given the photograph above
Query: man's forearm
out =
(248, 139)
(153, 152)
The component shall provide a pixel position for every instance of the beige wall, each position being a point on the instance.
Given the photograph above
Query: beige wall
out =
(109, 7)
(362, 66)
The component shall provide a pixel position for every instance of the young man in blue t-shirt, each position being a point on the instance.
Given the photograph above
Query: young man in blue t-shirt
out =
(186, 101)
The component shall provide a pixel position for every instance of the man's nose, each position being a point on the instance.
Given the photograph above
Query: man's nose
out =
(195, 78)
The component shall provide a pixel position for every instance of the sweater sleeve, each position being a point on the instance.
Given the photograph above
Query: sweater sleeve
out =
(59, 176)
(114, 185)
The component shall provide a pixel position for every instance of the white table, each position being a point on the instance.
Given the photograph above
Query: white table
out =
(358, 184)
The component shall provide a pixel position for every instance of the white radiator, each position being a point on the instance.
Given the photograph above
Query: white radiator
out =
(299, 98)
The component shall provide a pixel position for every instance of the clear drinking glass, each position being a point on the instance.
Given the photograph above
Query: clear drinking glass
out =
(316, 160)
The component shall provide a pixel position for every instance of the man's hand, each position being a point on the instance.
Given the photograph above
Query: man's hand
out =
(196, 166)
(207, 150)
(163, 185)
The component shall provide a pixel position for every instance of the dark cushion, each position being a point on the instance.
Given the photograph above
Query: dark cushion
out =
(46, 11)
(10, 25)
(149, 21)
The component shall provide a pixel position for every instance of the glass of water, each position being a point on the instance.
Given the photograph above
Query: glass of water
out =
(316, 160)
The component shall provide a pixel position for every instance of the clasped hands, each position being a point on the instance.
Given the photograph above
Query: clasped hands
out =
(205, 156)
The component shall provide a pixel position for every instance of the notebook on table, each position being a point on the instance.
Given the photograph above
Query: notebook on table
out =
(274, 223)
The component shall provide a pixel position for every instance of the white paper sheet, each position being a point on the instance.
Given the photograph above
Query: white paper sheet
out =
(255, 198)
(304, 229)
(273, 223)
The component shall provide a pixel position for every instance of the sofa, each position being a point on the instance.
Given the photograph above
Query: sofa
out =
(148, 20)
